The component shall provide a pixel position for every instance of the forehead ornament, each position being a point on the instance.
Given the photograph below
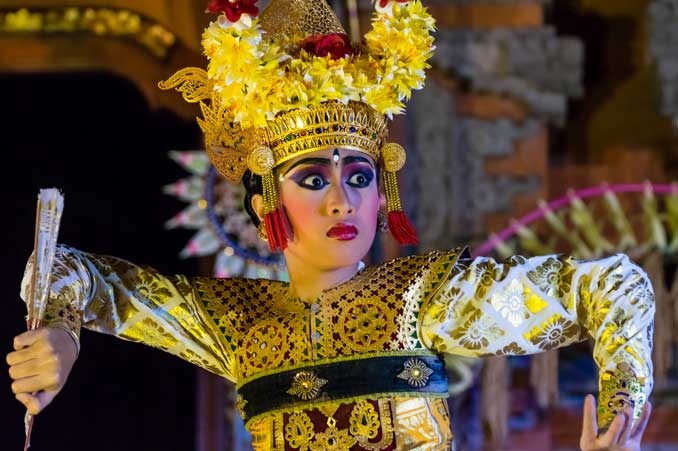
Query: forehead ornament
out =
(335, 156)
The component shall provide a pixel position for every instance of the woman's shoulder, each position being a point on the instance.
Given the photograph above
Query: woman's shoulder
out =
(236, 293)
(237, 298)
(415, 274)
(440, 260)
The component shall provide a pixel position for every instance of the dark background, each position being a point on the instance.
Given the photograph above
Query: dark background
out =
(94, 136)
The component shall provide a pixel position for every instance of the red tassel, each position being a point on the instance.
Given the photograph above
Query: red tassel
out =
(401, 228)
(275, 231)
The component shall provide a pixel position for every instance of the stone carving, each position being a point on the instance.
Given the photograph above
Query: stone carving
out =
(455, 148)
(531, 65)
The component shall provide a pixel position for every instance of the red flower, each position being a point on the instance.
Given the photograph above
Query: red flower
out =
(337, 45)
(233, 8)
(383, 3)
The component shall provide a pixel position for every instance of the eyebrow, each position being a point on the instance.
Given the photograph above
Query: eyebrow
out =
(326, 162)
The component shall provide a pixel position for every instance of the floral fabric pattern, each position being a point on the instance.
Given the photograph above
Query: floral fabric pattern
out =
(526, 306)
(238, 328)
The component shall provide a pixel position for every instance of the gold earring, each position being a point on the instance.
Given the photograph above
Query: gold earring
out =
(261, 231)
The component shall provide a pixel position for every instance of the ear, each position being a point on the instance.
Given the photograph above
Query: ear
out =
(382, 200)
(258, 206)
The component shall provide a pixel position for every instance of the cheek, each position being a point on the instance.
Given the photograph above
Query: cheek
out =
(301, 209)
(370, 206)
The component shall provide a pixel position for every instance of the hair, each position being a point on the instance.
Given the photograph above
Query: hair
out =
(253, 185)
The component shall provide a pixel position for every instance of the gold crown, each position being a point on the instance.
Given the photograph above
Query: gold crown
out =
(353, 126)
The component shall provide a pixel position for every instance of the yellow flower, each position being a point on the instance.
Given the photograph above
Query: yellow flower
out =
(256, 78)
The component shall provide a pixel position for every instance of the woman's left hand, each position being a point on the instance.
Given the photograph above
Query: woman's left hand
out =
(622, 435)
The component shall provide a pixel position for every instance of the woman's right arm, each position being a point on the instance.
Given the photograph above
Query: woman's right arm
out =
(110, 295)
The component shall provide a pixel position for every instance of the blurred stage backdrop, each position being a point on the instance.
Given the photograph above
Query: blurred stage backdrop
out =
(549, 126)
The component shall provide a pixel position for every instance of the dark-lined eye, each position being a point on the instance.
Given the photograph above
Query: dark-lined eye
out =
(313, 181)
(361, 179)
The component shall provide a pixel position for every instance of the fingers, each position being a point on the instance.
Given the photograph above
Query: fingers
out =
(36, 403)
(589, 428)
(24, 355)
(29, 401)
(628, 422)
(639, 429)
(28, 338)
(34, 384)
(32, 367)
(30, 345)
(616, 428)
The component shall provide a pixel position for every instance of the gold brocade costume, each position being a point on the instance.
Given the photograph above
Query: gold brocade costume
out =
(436, 303)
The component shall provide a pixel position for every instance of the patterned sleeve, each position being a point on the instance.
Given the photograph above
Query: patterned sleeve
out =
(109, 295)
(525, 306)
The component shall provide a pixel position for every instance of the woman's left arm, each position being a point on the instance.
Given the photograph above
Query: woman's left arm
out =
(530, 305)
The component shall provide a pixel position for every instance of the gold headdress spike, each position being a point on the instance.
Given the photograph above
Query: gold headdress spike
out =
(291, 82)
(283, 18)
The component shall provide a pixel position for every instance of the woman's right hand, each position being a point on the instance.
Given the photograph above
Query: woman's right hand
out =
(40, 365)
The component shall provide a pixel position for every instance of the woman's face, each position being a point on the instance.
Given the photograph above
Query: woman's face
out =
(331, 198)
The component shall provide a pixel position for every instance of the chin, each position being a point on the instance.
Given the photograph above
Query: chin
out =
(346, 253)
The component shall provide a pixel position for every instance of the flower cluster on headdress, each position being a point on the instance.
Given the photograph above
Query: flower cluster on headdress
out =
(257, 78)
(337, 45)
(233, 9)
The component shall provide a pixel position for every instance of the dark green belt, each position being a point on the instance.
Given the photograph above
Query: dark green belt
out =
(418, 374)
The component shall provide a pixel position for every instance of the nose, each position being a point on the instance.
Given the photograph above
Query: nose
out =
(339, 202)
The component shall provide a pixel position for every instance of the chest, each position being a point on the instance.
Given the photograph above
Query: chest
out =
(265, 337)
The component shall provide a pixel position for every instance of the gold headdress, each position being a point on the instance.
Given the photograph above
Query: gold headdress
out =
(291, 82)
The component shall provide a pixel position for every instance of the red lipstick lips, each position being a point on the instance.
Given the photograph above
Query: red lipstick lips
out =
(343, 232)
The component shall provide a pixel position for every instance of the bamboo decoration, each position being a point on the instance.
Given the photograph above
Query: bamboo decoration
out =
(47, 218)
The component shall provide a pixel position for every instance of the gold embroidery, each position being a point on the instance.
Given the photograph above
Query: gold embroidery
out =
(609, 298)
(364, 420)
(416, 424)
(510, 303)
(240, 404)
(553, 277)
(376, 311)
(478, 331)
(299, 431)
(554, 332)
(333, 439)
(151, 287)
(261, 432)
(366, 325)
(306, 385)
(150, 333)
(329, 409)
(416, 373)
(512, 348)
(618, 389)
(264, 346)
(387, 433)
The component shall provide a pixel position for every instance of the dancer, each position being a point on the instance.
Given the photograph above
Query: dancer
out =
(341, 357)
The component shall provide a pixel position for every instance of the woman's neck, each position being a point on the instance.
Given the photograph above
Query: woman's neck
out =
(308, 283)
